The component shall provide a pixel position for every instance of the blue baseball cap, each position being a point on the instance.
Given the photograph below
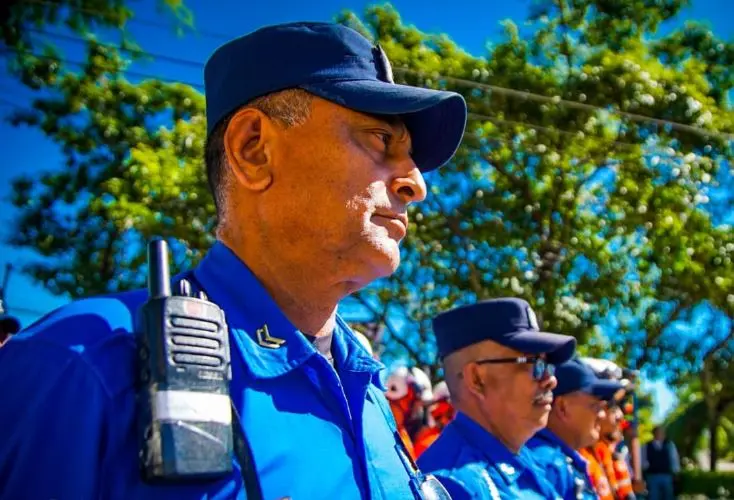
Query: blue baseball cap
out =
(338, 64)
(576, 376)
(508, 321)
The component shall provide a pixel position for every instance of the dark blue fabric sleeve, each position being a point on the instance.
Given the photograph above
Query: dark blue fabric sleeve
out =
(53, 421)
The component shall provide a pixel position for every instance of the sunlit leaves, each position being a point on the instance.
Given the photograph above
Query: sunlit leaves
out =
(570, 207)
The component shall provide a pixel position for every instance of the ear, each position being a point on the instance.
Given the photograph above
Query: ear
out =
(561, 407)
(472, 375)
(246, 144)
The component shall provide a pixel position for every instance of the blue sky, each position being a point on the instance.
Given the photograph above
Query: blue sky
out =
(471, 23)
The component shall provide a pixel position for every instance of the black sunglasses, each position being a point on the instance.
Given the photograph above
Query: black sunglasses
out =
(541, 368)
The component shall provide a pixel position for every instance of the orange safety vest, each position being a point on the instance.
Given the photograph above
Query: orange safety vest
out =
(603, 454)
(401, 408)
(424, 438)
(596, 473)
(622, 474)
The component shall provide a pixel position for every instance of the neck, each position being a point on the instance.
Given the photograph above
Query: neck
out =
(513, 437)
(305, 297)
(565, 434)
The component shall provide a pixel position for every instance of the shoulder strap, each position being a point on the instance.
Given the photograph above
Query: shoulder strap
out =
(242, 449)
(243, 452)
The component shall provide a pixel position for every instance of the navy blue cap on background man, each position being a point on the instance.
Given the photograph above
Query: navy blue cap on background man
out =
(313, 156)
(499, 369)
(579, 401)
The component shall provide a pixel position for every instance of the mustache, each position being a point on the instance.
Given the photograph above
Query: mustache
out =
(544, 397)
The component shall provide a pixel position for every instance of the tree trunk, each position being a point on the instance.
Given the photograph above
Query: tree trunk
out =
(714, 423)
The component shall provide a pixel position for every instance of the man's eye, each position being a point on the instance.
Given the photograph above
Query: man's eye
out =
(384, 137)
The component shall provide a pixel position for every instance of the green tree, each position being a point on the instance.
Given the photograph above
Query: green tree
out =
(563, 192)
(568, 189)
(133, 154)
(707, 402)
(33, 60)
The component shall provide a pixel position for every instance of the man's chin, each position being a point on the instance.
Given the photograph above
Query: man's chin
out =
(386, 256)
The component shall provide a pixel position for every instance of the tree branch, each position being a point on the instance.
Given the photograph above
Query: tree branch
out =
(382, 317)
(719, 345)
(652, 337)
(565, 46)
(475, 279)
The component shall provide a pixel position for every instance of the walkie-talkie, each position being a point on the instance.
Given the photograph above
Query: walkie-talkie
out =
(184, 412)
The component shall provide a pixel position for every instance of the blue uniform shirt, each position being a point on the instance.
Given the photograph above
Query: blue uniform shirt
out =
(472, 463)
(562, 466)
(67, 418)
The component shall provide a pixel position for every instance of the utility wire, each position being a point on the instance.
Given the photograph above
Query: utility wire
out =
(520, 94)
(476, 116)
(137, 20)
(573, 104)
(10, 104)
(136, 52)
(139, 74)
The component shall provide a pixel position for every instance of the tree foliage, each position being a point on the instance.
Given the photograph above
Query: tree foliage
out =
(133, 154)
(585, 183)
(704, 418)
(562, 192)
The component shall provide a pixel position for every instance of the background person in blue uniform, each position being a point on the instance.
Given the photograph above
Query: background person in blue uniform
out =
(499, 369)
(313, 155)
(579, 401)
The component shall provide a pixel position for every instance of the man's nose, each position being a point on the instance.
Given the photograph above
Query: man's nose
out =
(548, 382)
(411, 187)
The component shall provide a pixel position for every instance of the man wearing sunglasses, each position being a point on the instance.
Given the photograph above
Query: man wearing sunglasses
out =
(499, 369)
(579, 402)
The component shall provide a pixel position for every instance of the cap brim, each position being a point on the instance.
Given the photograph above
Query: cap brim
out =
(557, 348)
(436, 119)
(605, 390)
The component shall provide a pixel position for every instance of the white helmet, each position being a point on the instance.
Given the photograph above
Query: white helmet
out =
(606, 369)
(401, 378)
(441, 391)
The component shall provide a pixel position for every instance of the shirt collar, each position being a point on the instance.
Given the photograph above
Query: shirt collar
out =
(548, 435)
(271, 345)
(509, 465)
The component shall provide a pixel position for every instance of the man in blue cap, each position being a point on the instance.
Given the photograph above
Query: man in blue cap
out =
(313, 156)
(499, 368)
(579, 401)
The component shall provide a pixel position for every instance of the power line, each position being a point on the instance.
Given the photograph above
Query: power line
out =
(573, 104)
(569, 133)
(141, 21)
(126, 71)
(476, 116)
(138, 52)
(10, 104)
(557, 101)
